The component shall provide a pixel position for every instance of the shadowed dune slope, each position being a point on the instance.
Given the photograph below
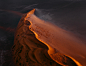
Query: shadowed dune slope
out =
(28, 51)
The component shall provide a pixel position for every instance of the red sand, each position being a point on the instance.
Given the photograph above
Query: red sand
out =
(8, 29)
(55, 37)
(37, 43)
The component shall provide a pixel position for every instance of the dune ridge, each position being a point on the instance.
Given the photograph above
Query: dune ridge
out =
(54, 37)
(29, 51)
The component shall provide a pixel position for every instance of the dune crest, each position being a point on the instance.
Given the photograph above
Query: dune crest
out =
(55, 37)
(34, 44)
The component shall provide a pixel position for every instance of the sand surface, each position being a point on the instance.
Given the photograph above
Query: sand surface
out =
(58, 39)
(29, 51)
(38, 43)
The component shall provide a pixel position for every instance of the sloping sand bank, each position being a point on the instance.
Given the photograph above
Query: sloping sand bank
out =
(29, 51)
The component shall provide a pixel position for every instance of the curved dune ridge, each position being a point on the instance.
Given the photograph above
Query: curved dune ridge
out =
(38, 43)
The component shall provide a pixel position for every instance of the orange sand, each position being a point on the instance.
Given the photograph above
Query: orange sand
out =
(30, 50)
(55, 37)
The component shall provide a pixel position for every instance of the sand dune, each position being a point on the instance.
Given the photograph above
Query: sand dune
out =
(59, 39)
(29, 48)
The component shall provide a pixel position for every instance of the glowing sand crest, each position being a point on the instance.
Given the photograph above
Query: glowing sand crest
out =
(57, 39)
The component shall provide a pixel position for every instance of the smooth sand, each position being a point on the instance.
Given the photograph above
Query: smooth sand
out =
(29, 51)
(57, 39)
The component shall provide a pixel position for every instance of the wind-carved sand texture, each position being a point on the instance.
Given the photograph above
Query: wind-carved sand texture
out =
(29, 51)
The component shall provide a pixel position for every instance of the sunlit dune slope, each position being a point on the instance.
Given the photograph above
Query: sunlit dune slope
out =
(58, 39)
(29, 51)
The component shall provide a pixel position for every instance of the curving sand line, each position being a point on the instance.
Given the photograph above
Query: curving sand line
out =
(55, 37)
(29, 51)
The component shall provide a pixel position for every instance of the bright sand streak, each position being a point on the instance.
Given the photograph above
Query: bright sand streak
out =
(57, 38)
